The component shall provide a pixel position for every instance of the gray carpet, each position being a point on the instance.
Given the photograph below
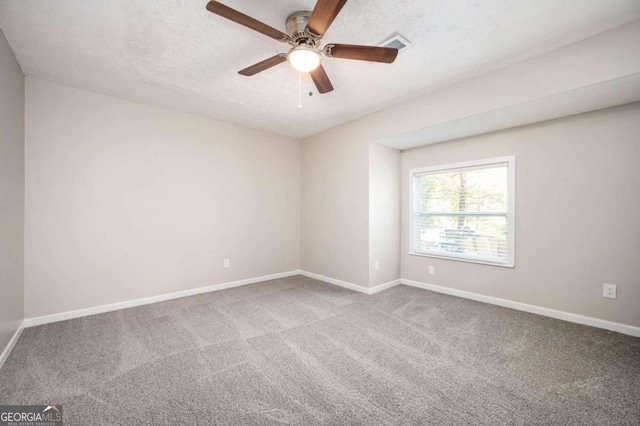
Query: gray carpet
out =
(298, 351)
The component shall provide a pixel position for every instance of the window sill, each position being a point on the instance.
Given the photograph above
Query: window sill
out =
(464, 259)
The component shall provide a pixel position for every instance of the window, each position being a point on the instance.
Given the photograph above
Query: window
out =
(465, 211)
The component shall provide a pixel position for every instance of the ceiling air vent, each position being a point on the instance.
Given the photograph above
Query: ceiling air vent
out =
(396, 41)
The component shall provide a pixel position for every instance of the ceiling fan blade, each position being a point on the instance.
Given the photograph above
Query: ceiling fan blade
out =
(266, 64)
(361, 53)
(321, 80)
(323, 15)
(242, 19)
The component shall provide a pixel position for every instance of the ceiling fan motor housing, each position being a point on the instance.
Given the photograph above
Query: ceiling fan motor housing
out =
(297, 29)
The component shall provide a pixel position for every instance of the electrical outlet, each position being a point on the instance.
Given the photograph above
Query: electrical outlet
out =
(377, 265)
(609, 290)
(226, 263)
(432, 270)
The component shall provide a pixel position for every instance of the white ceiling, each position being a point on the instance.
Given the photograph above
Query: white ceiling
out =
(175, 54)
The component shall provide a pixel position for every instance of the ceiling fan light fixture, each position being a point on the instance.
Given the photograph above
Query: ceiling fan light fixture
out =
(305, 31)
(304, 58)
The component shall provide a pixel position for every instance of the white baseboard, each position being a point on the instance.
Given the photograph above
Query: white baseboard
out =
(46, 319)
(351, 286)
(547, 312)
(381, 287)
(566, 316)
(7, 350)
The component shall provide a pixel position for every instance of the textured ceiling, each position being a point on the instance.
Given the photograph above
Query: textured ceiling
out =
(175, 54)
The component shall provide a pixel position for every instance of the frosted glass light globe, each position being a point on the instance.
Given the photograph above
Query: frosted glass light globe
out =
(304, 58)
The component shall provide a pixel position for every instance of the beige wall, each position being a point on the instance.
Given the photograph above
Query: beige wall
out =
(350, 208)
(335, 206)
(384, 214)
(577, 207)
(125, 201)
(11, 194)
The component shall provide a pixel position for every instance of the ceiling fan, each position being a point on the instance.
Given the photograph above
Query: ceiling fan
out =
(305, 30)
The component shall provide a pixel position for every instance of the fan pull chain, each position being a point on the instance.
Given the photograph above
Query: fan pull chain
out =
(300, 90)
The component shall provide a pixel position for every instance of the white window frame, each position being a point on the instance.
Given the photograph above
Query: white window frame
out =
(510, 162)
